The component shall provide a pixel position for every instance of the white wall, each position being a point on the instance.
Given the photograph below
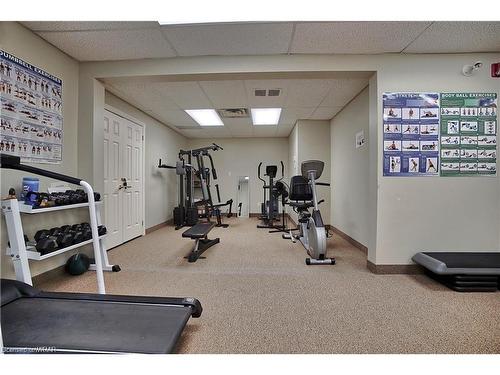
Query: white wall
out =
(350, 169)
(240, 157)
(412, 213)
(161, 142)
(452, 213)
(22, 43)
(313, 143)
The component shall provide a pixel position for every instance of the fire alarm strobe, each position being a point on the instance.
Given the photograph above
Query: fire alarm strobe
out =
(495, 70)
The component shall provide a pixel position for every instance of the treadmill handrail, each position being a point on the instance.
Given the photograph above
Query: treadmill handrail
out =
(14, 162)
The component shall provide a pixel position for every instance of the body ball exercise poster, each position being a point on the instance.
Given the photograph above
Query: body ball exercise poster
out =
(30, 112)
(411, 134)
(469, 134)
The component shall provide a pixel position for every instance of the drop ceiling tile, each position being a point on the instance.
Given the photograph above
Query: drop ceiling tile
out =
(176, 118)
(192, 133)
(290, 115)
(86, 25)
(219, 132)
(230, 39)
(142, 95)
(342, 91)
(325, 113)
(242, 132)
(266, 101)
(307, 92)
(264, 131)
(455, 37)
(237, 123)
(283, 132)
(225, 94)
(111, 44)
(187, 95)
(354, 37)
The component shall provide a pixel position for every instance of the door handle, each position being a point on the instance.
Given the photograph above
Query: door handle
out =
(124, 184)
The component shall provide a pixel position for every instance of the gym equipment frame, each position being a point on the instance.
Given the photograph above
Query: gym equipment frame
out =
(312, 232)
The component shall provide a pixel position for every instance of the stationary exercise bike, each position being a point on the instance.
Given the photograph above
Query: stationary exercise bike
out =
(312, 232)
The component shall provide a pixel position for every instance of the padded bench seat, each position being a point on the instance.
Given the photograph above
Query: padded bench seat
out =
(199, 230)
(199, 233)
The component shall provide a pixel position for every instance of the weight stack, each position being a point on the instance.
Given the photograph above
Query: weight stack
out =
(179, 214)
(191, 216)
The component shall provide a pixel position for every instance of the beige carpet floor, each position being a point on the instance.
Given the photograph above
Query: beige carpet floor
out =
(260, 297)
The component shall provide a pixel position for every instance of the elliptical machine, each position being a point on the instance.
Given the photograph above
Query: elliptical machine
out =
(270, 205)
(312, 232)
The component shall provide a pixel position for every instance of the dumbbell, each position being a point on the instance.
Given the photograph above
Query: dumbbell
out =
(41, 233)
(64, 239)
(65, 228)
(55, 231)
(76, 236)
(101, 230)
(26, 240)
(46, 244)
(87, 233)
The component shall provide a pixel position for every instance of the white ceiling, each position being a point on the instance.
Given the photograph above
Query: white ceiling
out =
(318, 99)
(99, 41)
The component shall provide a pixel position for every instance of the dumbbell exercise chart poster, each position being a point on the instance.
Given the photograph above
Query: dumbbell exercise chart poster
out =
(31, 111)
(469, 134)
(411, 134)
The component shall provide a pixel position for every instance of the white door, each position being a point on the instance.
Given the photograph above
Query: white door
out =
(123, 179)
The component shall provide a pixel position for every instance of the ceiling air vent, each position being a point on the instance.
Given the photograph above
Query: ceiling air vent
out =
(233, 112)
(267, 92)
(273, 92)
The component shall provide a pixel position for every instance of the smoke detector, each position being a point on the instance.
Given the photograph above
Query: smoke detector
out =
(233, 112)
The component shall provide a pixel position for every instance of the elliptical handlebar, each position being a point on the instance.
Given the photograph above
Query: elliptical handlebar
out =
(258, 173)
(282, 170)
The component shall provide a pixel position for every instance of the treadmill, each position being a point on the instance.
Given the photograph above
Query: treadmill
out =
(463, 271)
(33, 321)
(53, 322)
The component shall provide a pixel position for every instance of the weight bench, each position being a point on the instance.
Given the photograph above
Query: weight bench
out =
(199, 233)
(463, 271)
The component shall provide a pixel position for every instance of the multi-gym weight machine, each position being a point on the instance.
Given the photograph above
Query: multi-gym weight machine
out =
(189, 209)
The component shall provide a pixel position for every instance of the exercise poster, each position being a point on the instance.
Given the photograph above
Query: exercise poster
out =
(31, 111)
(411, 134)
(469, 134)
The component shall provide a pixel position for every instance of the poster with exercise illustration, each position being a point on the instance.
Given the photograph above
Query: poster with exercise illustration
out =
(411, 134)
(31, 111)
(469, 134)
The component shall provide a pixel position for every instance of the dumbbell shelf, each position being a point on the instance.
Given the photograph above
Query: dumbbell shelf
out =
(27, 209)
(35, 255)
(21, 253)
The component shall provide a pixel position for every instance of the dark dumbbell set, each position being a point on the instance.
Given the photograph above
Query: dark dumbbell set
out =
(40, 200)
(49, 240)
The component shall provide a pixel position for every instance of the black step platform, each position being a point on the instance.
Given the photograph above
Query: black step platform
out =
(463, 271)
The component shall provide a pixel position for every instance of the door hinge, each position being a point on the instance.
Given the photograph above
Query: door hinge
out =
(143, 138)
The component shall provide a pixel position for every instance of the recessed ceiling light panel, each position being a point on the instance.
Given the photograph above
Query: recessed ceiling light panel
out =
(205, 117)
(266, 116)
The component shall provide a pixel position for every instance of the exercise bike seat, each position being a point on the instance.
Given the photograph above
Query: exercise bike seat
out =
(199, 230)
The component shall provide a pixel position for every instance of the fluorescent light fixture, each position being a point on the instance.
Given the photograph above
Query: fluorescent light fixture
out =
(266, 116)
(205, 117)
